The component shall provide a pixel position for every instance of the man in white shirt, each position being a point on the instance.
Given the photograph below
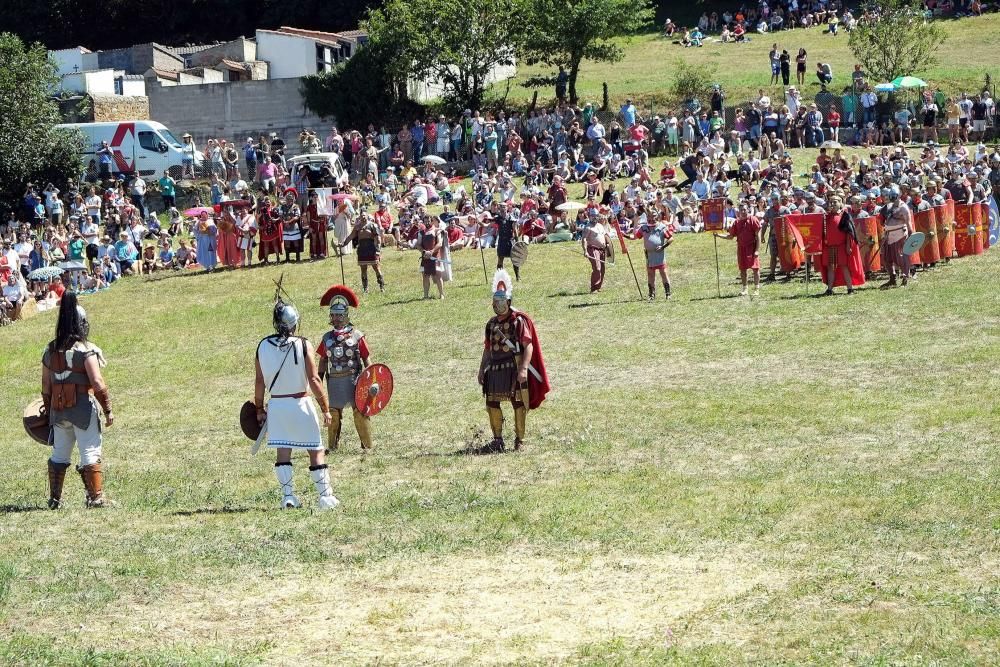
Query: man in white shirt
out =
(93, 202)
(139, 194)
(595, 133)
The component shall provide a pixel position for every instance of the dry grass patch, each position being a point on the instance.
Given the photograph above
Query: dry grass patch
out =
(512, 607)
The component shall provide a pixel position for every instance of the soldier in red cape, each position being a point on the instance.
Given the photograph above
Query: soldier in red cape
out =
(512, 368)
(746, 231)
(271, 232)
(840, 261)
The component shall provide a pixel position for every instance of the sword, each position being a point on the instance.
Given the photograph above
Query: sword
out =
(531, 369)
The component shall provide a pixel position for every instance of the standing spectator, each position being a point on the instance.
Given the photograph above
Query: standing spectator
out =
(785, 60)
(814, 126)
(978, 118)
(187, 156)
(628, 112)
(869, 103)
(250, 157)
(105, 158)
(417, 137)
(774, 57)
(965, 117)
(168, 190)
(929, 113)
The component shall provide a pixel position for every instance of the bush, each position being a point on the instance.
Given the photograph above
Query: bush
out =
(691, 81)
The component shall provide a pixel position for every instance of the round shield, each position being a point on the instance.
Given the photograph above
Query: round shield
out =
(248, 420)
(36, 422)
(913, 243)
(519, 254)
(373, 390)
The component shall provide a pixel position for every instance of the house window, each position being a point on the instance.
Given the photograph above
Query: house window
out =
(324, 58)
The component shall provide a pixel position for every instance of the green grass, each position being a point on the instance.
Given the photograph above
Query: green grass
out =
(712, 481)
(645, 73)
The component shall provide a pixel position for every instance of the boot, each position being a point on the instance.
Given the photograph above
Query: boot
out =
(364, 427)
(381, 283)
(666, 289)
(364, 284)
(93, 482)
(333, 431)
(496, 427)
(520, 417)
(57, 475)
(517, 274)
(321, 479)
(652, 291)
(283, 471)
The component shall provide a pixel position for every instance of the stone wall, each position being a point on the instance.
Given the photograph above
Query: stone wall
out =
(118, 107)
(234, 111)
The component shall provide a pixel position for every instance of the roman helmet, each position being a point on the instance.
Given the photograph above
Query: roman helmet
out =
(503, 291)
(286, 319)
(340, 298)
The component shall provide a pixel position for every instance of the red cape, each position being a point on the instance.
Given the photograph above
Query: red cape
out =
(852, 250)
(537, 389)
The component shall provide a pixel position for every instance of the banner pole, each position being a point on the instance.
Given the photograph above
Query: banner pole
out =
(718, 279)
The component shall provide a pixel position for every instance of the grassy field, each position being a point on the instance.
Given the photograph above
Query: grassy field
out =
(712, 481)
(645, 73)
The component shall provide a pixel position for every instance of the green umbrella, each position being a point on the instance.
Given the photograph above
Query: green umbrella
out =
(909, 82)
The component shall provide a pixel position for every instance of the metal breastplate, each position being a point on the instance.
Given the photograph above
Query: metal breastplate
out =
(343, 353)
(503, 341)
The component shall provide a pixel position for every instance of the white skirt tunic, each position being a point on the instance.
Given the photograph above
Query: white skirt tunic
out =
(292, 421)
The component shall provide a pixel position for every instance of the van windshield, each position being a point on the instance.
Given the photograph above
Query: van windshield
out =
(169, 137)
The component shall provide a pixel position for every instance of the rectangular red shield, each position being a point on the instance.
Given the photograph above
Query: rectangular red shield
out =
(810, 225)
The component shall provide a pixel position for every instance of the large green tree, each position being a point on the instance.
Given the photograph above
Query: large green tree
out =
(33, 150)
(453, 42)
(567, 32)
(896, 41)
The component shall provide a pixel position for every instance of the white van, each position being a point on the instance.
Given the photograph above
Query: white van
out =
(316, 161)
(137, 145)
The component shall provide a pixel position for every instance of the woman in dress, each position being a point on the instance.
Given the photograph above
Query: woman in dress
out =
(206, 241)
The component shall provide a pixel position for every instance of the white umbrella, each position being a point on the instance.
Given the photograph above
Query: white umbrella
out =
(434, 159)
(570, 206)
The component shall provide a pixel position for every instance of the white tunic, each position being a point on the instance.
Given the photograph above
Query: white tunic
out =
(291, 422)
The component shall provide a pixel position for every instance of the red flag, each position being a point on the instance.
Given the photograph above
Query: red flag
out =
(621, 237)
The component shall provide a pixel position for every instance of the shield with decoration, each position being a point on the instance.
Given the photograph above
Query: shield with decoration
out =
(373, 390)
(519, 253)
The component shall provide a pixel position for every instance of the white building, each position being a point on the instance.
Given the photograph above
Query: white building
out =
(79, 72)
(292, 52)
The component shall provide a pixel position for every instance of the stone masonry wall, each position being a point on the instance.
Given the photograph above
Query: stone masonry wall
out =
(117, 107)
(234, 111)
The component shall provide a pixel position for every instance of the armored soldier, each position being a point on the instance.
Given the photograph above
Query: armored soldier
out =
(291, 229)
(286, 370)
(72, 390)
(512, 368)
(368, 237)
(343, 355)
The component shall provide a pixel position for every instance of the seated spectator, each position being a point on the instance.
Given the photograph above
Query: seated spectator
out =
(126, 253)
(185, 255)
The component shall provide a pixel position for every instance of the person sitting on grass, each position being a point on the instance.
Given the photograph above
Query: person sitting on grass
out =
(126, 253)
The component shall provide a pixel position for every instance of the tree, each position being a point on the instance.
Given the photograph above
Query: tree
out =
(455, 43)
(347, 93)
(33, 149)
(894, 39)
(567, 32)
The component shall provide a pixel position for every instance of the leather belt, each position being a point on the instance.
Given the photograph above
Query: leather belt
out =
(300, 394)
